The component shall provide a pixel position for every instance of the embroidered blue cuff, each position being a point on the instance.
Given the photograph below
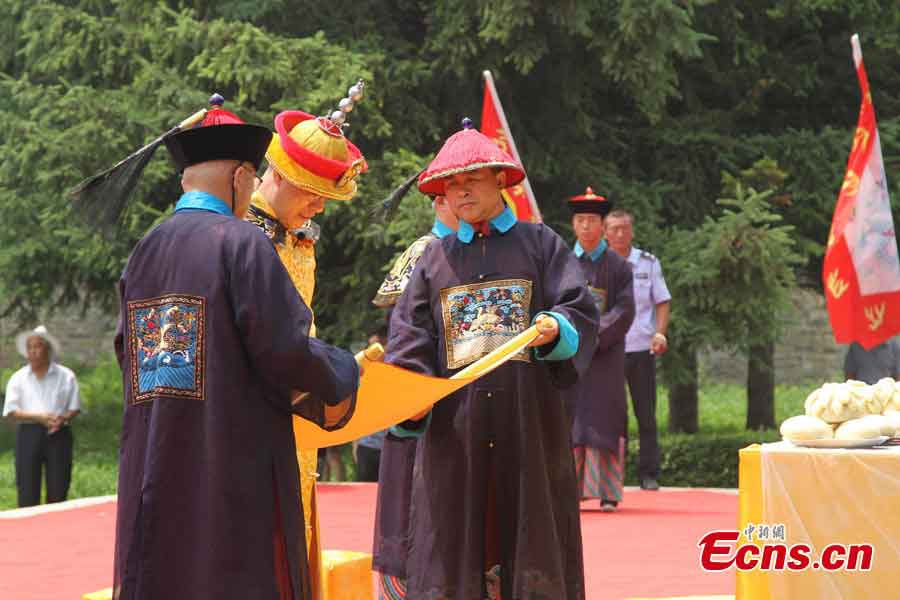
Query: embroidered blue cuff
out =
(567, 343)
(402, 430)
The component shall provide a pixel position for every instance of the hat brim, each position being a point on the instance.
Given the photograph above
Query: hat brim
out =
(22, 343)
(302, 178)
(591, 206)
(219, 142)
(435, 183)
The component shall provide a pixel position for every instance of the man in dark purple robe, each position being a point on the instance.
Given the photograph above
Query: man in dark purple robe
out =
(215, 355)
(494, 509)
(597, 402)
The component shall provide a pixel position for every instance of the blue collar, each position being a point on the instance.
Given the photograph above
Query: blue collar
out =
(202, 201)
(440, 229)
(596, 254)
(502, 223)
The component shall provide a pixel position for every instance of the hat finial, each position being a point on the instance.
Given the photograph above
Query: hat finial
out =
(467, 123)
(217, 100)
(338, 118)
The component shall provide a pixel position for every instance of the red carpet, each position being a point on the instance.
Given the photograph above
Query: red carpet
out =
(648, 549)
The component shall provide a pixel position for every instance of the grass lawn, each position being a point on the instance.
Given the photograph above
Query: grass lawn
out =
(723, 410)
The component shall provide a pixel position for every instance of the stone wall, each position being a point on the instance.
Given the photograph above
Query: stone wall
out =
(806, 354)
(84, 337)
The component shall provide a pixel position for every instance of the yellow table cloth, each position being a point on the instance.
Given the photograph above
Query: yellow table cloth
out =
(823, 496)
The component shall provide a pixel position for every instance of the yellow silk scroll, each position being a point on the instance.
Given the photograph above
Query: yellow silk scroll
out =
(389, 395)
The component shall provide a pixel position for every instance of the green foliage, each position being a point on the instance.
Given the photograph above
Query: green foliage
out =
(83, 86)
(649, 101)
(733, 274)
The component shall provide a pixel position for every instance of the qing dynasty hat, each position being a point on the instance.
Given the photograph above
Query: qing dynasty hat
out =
(312, 152)
(220, 136)
(468, 150)
(589, 202)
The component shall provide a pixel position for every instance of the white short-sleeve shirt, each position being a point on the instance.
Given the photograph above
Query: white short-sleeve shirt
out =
(649, 290)
(56, 393)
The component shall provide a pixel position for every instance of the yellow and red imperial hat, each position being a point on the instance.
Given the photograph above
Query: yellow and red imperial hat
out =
(312, 153)
(468, 150)
(220, 136)
(589, 202)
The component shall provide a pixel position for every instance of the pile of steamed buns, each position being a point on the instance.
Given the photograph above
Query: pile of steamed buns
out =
(853, 410)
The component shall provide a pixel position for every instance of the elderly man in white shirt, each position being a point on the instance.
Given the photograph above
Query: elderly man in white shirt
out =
(43, 398)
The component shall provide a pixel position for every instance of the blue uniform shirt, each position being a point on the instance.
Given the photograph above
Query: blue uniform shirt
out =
(649, 290)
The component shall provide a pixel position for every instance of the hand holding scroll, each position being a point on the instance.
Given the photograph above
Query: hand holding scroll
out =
(548, 330)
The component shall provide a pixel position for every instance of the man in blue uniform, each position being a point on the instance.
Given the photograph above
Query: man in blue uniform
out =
(645, 340)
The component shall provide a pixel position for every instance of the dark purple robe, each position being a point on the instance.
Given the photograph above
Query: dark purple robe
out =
(510, 425)
(212, 342)
(597, 402)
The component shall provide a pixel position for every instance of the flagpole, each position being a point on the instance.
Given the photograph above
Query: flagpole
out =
(489, 79)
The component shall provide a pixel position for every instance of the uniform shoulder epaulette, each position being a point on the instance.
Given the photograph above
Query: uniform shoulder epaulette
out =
(647, 255)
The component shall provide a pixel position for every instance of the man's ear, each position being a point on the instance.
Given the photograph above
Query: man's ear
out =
(501, 179)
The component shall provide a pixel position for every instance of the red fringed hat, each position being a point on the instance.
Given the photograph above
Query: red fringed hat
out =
(220, 136)
(468, 150)
(589, 202)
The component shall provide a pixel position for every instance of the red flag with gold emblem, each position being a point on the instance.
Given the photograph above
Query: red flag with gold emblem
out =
(493, 124)
(862, 270)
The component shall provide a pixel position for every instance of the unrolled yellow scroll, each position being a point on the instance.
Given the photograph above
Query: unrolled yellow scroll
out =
(389, 395)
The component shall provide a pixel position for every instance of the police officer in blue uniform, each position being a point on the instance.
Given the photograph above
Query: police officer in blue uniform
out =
(645, 340)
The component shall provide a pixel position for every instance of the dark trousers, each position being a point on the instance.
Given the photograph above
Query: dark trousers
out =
(640, 373)
(367, 462)
(35, 450)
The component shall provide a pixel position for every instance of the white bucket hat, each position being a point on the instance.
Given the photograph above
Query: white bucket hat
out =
(41, 332)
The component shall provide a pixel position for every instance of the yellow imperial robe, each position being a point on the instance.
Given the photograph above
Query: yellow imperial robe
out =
(299, 258)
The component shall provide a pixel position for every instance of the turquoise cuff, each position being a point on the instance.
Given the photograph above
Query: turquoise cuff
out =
(402, 432)
(567, 343)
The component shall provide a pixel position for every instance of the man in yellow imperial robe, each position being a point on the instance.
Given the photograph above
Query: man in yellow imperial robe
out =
(309, 161)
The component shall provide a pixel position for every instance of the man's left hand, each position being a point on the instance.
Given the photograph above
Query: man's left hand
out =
(548, 330)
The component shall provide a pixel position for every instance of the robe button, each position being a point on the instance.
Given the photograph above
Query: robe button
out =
(481, 276)
(489, 395)
(490, 444)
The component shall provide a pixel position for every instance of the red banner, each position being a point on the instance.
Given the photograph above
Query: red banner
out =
(862, 270)
(493, 124)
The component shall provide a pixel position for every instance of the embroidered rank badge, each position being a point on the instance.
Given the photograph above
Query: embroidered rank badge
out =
(479, 318)
(599, 295)
(167, 347)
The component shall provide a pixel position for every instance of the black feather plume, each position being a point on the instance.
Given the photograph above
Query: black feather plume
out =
(387, 208)
(101, 199)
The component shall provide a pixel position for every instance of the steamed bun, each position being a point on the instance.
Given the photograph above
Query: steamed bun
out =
(893, 417)
(839, 402)
(805, 427)
(858, 429)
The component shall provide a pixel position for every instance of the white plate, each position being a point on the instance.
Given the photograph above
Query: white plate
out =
(832, 443)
